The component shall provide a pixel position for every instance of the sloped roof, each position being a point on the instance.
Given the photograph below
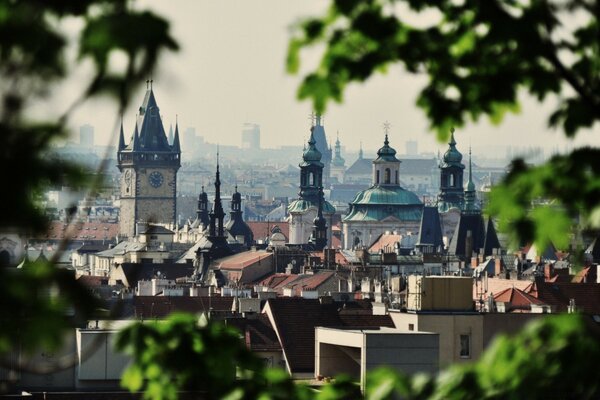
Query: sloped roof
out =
(430, 231)
(386, 242)
(258, 333)
(152, 135)
(517, 298)
(296, 318)
(58, 230)
(497, 285)
(262, 229)
(558, 294)
(361, 166)
(309, 282)
(484, 236)
(244, 259)
(418, 166)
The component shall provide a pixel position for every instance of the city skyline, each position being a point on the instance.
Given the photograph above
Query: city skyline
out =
(217, 86)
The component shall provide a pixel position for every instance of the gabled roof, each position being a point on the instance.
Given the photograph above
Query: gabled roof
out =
(517, 298)
(263, 229)
(295, 320)
(361, 166)
(386, 242)
(484, 236)
(244, 259)
(418, 166)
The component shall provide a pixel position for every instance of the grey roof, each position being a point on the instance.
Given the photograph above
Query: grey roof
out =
(122, 248)
(418, 166)
(135, 272)
(430, 231)
(321, 142)
(152, 133)
(484, 235)
(361, 166)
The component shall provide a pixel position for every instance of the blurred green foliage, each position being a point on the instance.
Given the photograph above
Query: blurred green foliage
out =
(553, 357)
(478, 56)
(179, 354)
(36, 301)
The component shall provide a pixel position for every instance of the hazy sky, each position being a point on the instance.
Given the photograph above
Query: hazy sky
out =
(230, 70)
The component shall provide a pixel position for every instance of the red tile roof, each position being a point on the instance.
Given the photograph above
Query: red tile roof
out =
(296, 318)
(497, 285)
(386, 242)
(262, 229)
(309, 282)
(518, 299)
(58, 230)
(245, 259)
(277, 282)
(585, 295)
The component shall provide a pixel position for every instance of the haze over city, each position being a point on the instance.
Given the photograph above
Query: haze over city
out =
(231, 69)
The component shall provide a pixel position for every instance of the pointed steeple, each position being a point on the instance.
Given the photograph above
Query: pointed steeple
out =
(217, 214)
(121, 137)
(236, 226)
(171, 134)
(136, 139)
(360, 152)
(319, 235)
(470, 192)
(202, 212)
(176, 145)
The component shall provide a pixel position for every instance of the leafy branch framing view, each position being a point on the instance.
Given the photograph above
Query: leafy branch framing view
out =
(478, 56)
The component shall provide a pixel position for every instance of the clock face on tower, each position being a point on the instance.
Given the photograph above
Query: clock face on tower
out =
(156, 179)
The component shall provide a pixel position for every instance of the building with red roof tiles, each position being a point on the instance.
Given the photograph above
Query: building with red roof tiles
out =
(82, 232)
(246, 267)
(515, 300)
(262, 230)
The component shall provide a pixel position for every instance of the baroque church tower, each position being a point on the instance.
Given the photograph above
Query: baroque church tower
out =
(148, 166)
(452, 194)
(305, 209)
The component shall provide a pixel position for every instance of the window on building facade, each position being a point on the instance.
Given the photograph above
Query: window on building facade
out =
(376, 177)
(387, 176)
(465, 346)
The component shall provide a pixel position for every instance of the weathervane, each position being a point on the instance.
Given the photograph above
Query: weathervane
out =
(386, 127)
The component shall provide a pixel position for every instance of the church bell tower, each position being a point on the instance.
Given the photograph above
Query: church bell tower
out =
(148, 166)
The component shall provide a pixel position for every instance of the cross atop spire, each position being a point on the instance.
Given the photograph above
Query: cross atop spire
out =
(386, 128)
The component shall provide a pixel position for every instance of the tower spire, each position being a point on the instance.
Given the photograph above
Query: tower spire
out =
(121, 136)
(470, 193)
(176, 144)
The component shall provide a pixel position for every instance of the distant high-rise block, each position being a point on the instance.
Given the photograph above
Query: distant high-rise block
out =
(251, 136)
(86, 135)
(412, 148)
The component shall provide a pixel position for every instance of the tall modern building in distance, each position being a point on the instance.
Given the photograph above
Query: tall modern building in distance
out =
(251, 136)
(148, 166)
(86, 136)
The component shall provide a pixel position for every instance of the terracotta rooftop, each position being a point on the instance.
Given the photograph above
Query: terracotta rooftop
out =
(497, 285)
(295, 320)
(262, 229)
(58, 230)
(518, 299)
(385, 242)
(242, 260)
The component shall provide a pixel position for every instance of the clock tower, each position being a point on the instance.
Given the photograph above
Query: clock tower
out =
(148, 165)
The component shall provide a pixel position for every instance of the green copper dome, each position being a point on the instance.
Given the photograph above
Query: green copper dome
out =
(395, 195)
(386, 153)
(312, 154)
(452, 155)
(301, 205)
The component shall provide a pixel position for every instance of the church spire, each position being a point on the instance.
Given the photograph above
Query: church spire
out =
(171, 132)
(217, 215)
(470, 192)
(176, 145)
(121, 137)
(360, 152)
(136, 139)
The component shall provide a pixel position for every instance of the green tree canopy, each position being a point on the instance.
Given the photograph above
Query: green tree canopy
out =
(478, 56)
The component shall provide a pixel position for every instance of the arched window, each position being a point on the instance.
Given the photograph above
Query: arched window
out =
(377, 177)
(386, 176)
(452, 182)
(313, 179)
(397, 180)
